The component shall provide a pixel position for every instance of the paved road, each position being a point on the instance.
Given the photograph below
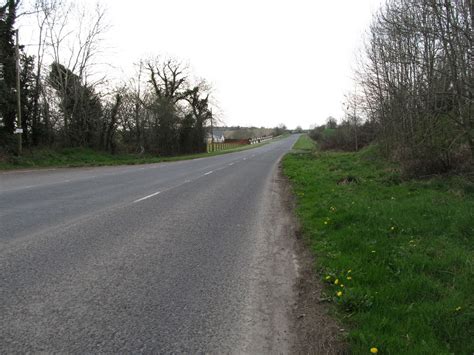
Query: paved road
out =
(191, 256)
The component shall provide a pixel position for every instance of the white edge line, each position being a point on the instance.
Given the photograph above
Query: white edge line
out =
(144, 198)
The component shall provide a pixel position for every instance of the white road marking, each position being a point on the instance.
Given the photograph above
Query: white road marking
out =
(296, 264)
(209, 172)
(231, 164)
(187, 181)
(146, 197)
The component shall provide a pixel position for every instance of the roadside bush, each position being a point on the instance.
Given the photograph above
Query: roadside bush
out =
(345, 136)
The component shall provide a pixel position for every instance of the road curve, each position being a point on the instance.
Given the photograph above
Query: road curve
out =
(190, 256)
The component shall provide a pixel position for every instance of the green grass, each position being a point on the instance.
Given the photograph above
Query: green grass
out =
(406, 246)
(76, 157)
(304, 143)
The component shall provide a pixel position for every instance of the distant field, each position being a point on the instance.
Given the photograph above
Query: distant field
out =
(397, 256)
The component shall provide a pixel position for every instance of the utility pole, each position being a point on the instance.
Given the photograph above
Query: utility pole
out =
(212, 133)
(18, 131)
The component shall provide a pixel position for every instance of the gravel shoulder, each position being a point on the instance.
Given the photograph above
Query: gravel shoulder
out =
(315, 330)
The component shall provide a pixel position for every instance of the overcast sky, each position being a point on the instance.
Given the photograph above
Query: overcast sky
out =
(269, 61)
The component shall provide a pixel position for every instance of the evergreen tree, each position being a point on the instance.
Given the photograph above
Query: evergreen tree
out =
(27, 89)
(80, 106)
(7, 61)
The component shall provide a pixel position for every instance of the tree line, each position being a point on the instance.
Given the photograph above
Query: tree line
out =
(65, 103)
(414, 85)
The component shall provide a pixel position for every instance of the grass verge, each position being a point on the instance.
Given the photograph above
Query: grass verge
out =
(397, 256)
(77, 157)
(304, 143)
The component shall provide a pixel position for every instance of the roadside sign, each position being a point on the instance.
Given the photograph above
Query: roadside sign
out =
(18, 131)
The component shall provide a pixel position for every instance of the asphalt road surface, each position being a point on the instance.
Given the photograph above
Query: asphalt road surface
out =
(190, 256)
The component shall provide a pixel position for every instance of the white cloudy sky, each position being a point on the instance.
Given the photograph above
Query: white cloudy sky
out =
(269, 61)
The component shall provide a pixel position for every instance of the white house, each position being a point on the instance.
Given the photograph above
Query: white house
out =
(218, 137)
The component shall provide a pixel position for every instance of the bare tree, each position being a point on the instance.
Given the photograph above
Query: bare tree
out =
(43, 10)
(353, 115)
(168, 79)
(417, 81)
(74, 36)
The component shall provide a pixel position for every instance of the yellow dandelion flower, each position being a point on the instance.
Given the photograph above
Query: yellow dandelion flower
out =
(349, 271)
(325, 222)
(374, 350)
(458, 309)
(339, 293)
(349, 277)
(342, 285)
(328, 277)
(336, 282)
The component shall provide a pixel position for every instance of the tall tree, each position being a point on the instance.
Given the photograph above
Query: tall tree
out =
(200, 114)
(168, 79)
(417, 81)
(80, 106)
(7, 60)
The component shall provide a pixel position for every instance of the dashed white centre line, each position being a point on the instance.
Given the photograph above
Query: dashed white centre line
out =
(230, 164)
(146, 197)
(209, 172)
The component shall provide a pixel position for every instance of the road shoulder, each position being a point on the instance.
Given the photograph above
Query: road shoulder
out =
(315, 331)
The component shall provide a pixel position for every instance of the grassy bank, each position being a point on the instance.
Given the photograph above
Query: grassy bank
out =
(76, 157)
(397, 256)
